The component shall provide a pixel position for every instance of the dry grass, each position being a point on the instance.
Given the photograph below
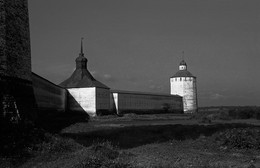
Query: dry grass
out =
(192, 145)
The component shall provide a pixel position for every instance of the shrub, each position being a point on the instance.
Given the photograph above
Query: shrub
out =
(54, 144)
(244, 113)
(105, 155)
(223, 115)
(105, 150)
(205, 120)
(240, 138)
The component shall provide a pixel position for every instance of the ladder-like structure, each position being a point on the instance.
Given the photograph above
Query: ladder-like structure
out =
(10, 112)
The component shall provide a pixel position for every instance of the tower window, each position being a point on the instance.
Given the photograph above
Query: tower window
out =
(180, 79)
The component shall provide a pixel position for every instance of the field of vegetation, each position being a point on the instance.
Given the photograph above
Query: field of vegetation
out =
(214, 139)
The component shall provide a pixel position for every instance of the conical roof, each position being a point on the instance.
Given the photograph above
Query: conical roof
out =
(81, 77)
(183, 72)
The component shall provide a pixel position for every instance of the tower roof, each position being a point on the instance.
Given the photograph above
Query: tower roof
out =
(183, 72)
(183, 63)
(81, 54)
(81, 77)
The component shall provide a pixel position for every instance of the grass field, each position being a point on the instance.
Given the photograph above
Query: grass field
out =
(147, 141)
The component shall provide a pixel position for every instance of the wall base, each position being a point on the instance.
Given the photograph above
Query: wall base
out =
(23, 94)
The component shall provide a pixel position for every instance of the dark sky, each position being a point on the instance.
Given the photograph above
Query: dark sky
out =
(137, 44)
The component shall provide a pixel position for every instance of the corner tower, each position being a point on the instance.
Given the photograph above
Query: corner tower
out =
(85, 92)
(15, 58)
(183, 83)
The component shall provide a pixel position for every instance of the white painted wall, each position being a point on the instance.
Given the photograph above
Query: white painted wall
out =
(114, 99)
(185, 87)
(83, 98)
(182, 67)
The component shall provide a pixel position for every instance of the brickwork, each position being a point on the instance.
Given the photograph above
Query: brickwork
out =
(15, 56)
(183, 83)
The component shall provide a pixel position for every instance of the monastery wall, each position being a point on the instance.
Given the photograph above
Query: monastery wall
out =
(82, 99)
(102, 101)
(15, 58)
(48, 96)
(135, 102)
(15, 51)
(185, 87)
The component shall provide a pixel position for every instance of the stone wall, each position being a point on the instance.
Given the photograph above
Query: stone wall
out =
(136, 102)
(15, 56)
(91, 100)
(102, 101)
(49, 97)
(186, 87)
(82, 100)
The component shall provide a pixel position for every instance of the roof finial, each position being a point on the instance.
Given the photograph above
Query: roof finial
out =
(182, 55)
(81, 49)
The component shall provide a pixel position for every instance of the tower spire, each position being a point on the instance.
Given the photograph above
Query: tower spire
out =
(81, 61)
(183, 65)
(81, 48)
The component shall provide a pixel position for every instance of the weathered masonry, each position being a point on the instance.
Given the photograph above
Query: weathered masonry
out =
(31, 95)
(138, 102)
(15, 59)
(87, 94)
(183, 83)
(50, 98)
(84, 91)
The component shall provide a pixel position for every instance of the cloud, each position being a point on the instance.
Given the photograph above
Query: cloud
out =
(109, 78)
(103, 77)
(216, 96)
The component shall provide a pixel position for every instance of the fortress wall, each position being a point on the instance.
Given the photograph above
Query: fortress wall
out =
(185, 87)
(135, 102)
(82, 100)
(114, 103)
(177, 86)
(15, 51)
(190, 97)
(15, 57)
(49, 97)
(102, 101)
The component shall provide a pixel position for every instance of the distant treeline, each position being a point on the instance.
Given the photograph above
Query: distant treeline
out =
(234, 112)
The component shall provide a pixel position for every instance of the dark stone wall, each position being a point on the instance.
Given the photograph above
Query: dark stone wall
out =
(49, 97)
(22, 91)
(15, 56)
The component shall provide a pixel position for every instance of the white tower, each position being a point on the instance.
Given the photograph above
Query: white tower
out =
(183, 83)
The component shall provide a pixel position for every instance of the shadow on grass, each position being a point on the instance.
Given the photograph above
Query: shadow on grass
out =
(134, 136)
(54, 122)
